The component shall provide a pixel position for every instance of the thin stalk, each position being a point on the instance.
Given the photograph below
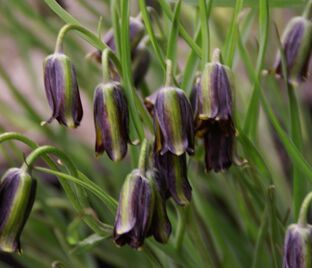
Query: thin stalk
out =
(108, 55)
(204, 32)
(144, 156)
(182, 219)
(78, 203)
(169, 73)
(92, 187)
(302, 220)
(69, 27)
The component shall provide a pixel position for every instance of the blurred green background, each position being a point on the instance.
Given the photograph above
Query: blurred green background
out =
(228, 210)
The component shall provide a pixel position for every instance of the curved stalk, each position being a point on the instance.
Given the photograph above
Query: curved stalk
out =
(69, 27)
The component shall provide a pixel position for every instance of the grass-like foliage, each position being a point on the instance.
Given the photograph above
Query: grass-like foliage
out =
(249, 167)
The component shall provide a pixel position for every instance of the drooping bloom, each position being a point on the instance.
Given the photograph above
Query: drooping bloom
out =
(211, 100)
(173, 122)
(298, 246)
(218, 142)
(111, 120)
(160, 226)
(174, 170)
(17, 195)
(135, 210)
(172, 167)
(62, 91)
(136, 33)
(141, 210)
(297, 46)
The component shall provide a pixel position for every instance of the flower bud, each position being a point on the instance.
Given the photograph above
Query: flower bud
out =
(173, 122)
(62, 91)
(297, 46)
(297, 247)
(135, 210)
(160, 226)
(17, 195)
(174, 171)
(111, 120)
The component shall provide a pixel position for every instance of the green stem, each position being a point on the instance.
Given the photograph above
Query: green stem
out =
(151, 33)
(216, 57)
(302, 220)
(155, 16)
(78, 204)
(182, 216)
(68, 27)
(144, 155)
(77, 196)
(89, 185)
(307, 13)
(188, 39)
(205, 49)
(126, 69)
(299, 187)
(169, 76)
(44, 150)
(108, 55)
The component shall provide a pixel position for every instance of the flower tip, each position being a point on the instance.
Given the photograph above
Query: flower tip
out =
(43, 123)
(140, 248)
(266, 72)
(135, 142)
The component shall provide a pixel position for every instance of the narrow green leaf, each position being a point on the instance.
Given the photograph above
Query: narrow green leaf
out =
(251, 121)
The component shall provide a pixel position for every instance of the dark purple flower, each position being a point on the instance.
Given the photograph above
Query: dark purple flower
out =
(135, 210)
(218, 142)
(173, 170)
(211, 100)
(136, 33)
(211, 96)
(173, 122)
(297, 46)
(62, 91)
(297, 247)
(111, 120)
(160, 226)
(17, 195)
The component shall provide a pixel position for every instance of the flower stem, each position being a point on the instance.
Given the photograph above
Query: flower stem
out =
(302, 220)
(108, 55)
(182, 216)
(307, 13)
(144, 155)
(68, 27)
(169, 73)
(44, 150)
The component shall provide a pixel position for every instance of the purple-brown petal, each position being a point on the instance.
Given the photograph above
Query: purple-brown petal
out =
(111, 120)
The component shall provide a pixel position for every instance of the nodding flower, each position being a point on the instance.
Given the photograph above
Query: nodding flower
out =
(173, 122)
(173, 169)
(111, 120)
(141, 211)
(62, 90)
(297, 46)
(211, 100)
(297, 246)
(17, 195)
